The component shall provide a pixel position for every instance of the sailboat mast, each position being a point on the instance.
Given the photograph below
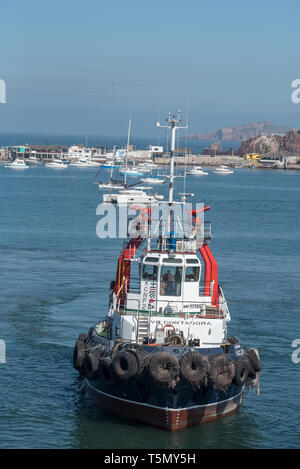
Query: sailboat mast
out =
(126, 157)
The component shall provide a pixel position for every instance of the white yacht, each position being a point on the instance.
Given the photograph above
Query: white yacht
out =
(130, 172)
(153, 180)
(223, 170)
(130, 196)
(56, 164)
(84, 163)
(197, 171)
(16, 164)
(109, 164)
(32, 160)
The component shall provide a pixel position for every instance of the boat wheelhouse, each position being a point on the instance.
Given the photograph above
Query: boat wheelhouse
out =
(164, 285)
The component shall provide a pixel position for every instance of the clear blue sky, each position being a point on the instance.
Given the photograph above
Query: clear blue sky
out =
(84, 67)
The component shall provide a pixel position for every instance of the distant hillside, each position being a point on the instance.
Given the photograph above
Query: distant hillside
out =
(272, 144)
(242, 132)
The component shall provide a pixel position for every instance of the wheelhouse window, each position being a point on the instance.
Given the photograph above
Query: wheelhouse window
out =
(192, 274)
(170, 280)
(150, 272)
(151, 259)
(192, 261)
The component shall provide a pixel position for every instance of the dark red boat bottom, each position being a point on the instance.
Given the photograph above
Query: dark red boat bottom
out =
(169, 419)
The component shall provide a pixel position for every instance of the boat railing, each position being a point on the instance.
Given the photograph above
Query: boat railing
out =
(186, 241)
(223, 303)
(206, 288)
(134, 285)
(173, 308)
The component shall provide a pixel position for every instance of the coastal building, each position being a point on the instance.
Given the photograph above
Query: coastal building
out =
(156, 150)
(79, 152)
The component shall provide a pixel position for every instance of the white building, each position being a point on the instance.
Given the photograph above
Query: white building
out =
(79, 152)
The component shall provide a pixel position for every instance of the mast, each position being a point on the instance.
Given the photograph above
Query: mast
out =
(126, 158)
(172, 123)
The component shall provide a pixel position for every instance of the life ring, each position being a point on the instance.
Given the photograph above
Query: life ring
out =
(164, 368)
(254, 359)
(91, 366)
(125, 365)
(106, 373)
(221, 372)
(78, 355)
(194, 367)
(241, 372)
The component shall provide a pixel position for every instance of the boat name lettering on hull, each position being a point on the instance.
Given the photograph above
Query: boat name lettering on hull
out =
(183, 322)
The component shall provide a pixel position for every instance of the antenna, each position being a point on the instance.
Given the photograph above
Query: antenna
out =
(172, 123)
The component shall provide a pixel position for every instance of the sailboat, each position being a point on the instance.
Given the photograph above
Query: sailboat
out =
(129, 194)
(113, 183)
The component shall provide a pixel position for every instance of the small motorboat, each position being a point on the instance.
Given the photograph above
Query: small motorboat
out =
(17, 164)
(153, 180)
(109, 165)
(56, 164)
(223, 170)
(84, 163)
(197, 171)
(130, 172)
(111, 185)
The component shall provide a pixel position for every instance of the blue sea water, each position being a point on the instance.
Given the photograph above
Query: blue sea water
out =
(54, 279)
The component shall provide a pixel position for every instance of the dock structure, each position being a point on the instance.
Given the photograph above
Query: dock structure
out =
(182, 157)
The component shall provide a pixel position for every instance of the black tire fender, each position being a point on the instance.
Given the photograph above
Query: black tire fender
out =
(254, 360)
(91, 366)
(78, 355)
(140, 358)
(164, 368)
(106, 373)
(221, 371)
(241, 372)
(125, 365)
(194, 367)
(175, 339)
(82, 337)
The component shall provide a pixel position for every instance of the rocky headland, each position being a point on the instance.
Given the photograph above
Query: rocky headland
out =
(242, 132)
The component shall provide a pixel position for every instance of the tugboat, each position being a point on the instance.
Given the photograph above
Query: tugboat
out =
(162, 355)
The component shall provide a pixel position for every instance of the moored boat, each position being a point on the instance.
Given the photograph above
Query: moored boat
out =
(131, 196)
(223, 170)
(56, 164)
(16, 164)
(162, 355)
(153, 180)
(197, 171)
(84, 163)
